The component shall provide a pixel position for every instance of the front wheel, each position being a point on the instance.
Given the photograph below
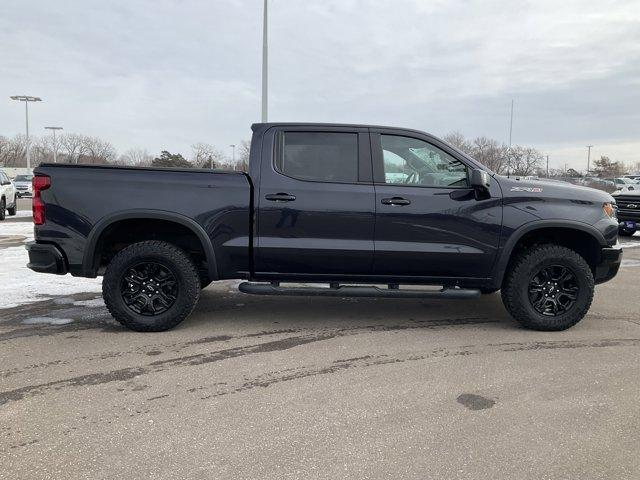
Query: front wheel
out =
(3, 206)
(14, 209)
(548, 287)
(151, 286)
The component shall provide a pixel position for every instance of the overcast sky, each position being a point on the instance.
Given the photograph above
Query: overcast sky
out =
(165, 74)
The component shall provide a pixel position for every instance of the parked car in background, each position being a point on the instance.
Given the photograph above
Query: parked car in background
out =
(628, 210)
(23, 185)
(8, 197)
(623, 183)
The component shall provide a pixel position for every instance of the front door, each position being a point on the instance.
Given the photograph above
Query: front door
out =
(316, 203)
(429, 222)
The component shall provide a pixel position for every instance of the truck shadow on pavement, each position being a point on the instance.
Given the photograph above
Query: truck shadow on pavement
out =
(233, 311)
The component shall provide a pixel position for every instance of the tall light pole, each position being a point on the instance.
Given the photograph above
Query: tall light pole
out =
(265, 55)
(588, 157)
(233, 153)
(511, 124)
(55, 143)
(26, 99)
(547, 166)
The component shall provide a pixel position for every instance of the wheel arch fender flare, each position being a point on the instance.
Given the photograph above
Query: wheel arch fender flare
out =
(507, 250)
(89, 260)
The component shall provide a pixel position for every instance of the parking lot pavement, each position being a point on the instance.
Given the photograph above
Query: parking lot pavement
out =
(275, 387)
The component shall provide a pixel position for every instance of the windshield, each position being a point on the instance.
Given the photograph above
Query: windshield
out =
(23, 178)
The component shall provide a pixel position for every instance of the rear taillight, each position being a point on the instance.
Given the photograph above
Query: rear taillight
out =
(40, 183)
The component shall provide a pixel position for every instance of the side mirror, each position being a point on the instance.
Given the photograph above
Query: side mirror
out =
(480, 179)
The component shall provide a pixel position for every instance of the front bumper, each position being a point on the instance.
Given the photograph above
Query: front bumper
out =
(46, 258)
(610, 260)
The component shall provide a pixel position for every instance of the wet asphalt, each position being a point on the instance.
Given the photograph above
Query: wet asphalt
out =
(276, 387)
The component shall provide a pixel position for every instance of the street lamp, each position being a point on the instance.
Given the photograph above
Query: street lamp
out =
(55, 144)
(26, 99)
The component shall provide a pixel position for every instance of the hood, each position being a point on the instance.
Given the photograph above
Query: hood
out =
(513, 186)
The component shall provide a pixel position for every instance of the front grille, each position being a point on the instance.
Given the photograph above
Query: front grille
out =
(628, 202)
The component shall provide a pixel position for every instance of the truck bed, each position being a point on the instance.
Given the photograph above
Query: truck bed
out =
(85, 201)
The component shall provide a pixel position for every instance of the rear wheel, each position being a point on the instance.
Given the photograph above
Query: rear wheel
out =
(151, 286)
(548, 287)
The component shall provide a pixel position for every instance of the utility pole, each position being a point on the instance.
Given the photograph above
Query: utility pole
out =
(547, 166)
(26, 99)
(265, 59)
(588, 157)
(511, 124)
(233, 154)
(55, 143)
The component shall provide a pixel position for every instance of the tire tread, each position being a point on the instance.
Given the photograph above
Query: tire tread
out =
(184, 305)
(518, 269)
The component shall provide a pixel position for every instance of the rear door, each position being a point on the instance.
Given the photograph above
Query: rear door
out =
(315, 212)
(429, 222)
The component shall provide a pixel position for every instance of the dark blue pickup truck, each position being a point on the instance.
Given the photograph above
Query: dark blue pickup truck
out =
(346, 207)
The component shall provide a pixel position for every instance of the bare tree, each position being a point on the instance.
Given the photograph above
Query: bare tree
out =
(136, 156)
(97, 151)
(490, 153)
(15, 154)
(72, 146)
(5, 149)
(523, 161)
(204, 154)
(459, 141)
(244, 152)
(41, 150)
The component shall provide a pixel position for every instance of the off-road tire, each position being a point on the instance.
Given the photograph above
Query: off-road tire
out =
(515, 287)
(169, 256)
(3, 206)
(13, 210)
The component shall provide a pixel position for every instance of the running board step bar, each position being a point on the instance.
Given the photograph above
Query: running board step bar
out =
(336, 290)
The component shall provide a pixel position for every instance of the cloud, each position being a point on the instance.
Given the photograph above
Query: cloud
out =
(166, 74)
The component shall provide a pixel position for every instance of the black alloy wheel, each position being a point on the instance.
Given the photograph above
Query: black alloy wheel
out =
(553, 290)
(149, 288)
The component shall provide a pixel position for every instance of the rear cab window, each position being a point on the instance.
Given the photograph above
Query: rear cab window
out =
(318, 156)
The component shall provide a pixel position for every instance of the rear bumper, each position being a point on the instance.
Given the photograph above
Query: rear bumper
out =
(610, 260)
(46, 258)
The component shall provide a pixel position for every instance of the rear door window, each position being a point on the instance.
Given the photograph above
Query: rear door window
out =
(318, 156)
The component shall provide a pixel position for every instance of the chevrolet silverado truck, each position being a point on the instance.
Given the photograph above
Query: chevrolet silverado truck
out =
(628, 210)
(325, 209)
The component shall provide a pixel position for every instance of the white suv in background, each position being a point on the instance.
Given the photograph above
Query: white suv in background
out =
(8, 198)
(23, 185)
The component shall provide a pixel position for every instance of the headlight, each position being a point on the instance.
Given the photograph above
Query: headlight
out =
(609, 210)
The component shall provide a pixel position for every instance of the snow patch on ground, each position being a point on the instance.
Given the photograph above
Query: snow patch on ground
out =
(23, 214)
(23, 229)
(19, 285)
(46, 321)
